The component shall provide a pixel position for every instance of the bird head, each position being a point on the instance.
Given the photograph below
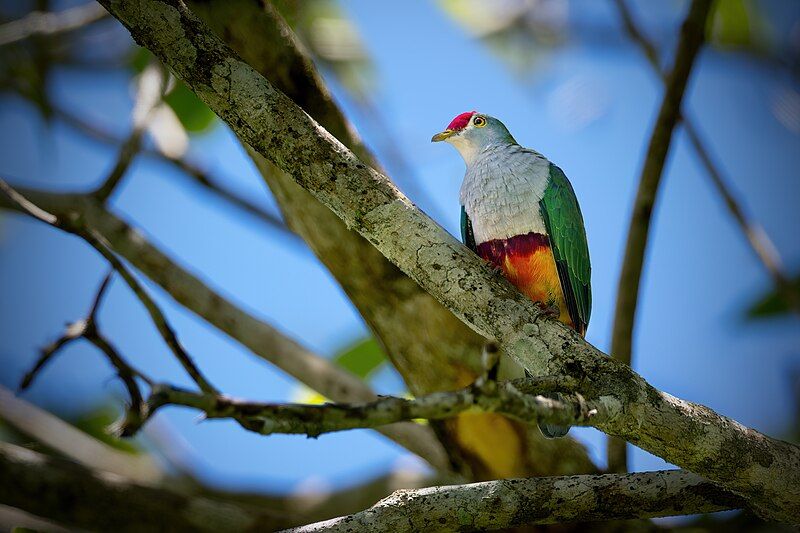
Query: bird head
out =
(470, 132)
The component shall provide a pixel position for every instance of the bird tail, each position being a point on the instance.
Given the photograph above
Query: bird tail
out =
(551, 431)
(510, 369)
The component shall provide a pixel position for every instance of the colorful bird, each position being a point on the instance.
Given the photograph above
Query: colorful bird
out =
(519, 212)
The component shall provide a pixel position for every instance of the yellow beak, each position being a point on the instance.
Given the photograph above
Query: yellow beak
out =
(442, 136)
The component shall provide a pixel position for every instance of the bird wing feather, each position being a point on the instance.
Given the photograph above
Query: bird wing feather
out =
(467, 235)
(564, 223)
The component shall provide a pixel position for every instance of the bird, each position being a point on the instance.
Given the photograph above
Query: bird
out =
(519, 212)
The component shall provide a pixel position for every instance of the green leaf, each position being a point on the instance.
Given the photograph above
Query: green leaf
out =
(195, 116)
(773, 303)
(362, 358)
(139, 59)
(96, 422)
(737, 24)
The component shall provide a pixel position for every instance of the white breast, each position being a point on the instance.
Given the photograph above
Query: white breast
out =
(501, 192)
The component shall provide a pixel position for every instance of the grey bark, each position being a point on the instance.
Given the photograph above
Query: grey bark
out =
(430, 347)
(763, 470)
(313, 420)
(509, 503)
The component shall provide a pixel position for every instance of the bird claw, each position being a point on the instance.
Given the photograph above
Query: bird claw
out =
(548, 310)
(497, 270)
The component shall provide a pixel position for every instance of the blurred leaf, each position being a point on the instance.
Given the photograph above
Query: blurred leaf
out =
(308, 396)
(195, 116)
(737, 24)
(168, 132)
(519, 32)
(333, 40)
(773, 303)
(362, 358)
(96, 423)
(139, 59)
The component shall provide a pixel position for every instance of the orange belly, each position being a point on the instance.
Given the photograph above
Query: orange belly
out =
(527, 262)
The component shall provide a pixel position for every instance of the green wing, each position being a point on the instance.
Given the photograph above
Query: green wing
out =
(467, 237)
(564, 223)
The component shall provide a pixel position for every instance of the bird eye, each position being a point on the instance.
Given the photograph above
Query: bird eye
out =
(479, 122)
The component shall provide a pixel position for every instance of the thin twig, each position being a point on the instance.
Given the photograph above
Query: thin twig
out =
(87, 329)
(760, 243)
(151, 86)
(212, 185)
(127, 152)
(73, 332)
(187, 168)
(258, 336)
(76, 226)
(45, 23)
(313, 420)
(691, 39)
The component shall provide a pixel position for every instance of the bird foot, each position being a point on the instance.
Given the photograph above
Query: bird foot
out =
(549, 310)
(497, 270)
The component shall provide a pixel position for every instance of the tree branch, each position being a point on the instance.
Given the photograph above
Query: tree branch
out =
(258, 336)
(431, 348)
(763, 470)
(691, 39)
(135, 413)
(44, 23)
(511, 503)
(187, 168)
(77, 226)
(313, 420)
(87, 329)
(47, 486)
(760, 243)
(152, 83)
(73, 443)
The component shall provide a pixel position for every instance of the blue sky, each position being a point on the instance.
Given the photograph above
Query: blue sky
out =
(691, 339)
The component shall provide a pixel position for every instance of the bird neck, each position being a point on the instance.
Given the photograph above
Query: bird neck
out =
(472, 152)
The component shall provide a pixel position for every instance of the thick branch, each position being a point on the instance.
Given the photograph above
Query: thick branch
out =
(764, 470)
(431, 348)
(261, 338)
(46, 486)
(510, 503)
